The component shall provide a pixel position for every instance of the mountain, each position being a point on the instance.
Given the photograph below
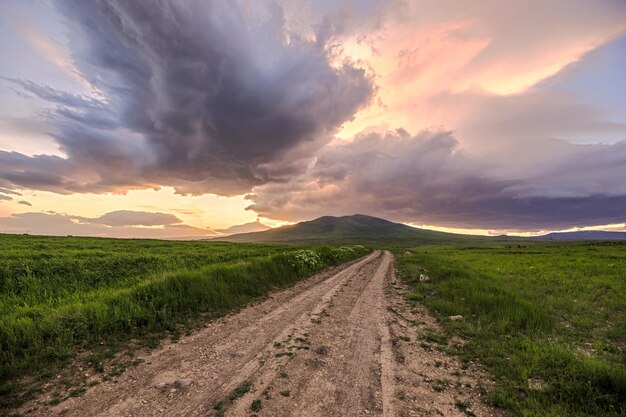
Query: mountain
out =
(357, 228)
(585, 235)
(244, 228)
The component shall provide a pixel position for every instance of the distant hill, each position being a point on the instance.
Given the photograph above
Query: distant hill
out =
(585, 235)
(358, 228)
(244, 228)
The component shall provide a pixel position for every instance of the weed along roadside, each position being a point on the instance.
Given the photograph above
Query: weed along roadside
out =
(549, 322)
(337, 344)
(529, 330)
(83, 299)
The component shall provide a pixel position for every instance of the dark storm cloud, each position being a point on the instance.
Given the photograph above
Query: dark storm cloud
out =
(226, 96)
(43, 172)
(427, 179)
(194, 94)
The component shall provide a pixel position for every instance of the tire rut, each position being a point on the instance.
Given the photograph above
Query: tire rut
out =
(340, 372)
(218, 359)
(342, 343)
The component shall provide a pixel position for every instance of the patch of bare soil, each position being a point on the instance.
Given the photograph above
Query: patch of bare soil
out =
(342, 343)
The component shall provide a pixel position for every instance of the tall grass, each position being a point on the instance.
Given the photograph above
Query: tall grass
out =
(61, 294)
(548, 322)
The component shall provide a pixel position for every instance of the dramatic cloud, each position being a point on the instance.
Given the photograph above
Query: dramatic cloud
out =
(244, 228)
(498, 123)
(428, 179)
(505, 115)
(199, 95)
(124, 226)
(540, 159)
(429, 47)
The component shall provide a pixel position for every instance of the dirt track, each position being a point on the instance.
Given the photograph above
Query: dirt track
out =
(342, 343)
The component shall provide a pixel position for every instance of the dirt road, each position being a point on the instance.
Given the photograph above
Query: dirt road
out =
(341, 343)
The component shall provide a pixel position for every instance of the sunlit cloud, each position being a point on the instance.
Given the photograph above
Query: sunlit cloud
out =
(127, 224)
(470, 117)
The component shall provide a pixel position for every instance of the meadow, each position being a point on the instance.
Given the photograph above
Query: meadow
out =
(548, 320)
(64, 295)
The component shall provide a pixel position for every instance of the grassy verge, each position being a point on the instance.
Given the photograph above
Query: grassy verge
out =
(61, 295)
(548, 321)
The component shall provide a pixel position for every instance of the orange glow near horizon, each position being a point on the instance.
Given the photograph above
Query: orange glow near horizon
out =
(205, 211)
(492, 232)
(434, 65)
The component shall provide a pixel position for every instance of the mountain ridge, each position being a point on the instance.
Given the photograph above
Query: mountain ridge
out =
(332, 229)
(362, 228)
(585, 235)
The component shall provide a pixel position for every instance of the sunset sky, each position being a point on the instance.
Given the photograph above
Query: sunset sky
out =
(182, 118)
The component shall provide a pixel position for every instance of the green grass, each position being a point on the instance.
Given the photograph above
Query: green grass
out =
(62, 294)
(549, 320)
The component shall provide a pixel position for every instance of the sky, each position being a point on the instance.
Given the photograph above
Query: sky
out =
(195, 118)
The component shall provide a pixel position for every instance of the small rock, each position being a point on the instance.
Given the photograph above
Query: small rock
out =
(456, 318)
(536, 384)
(160, 385)
(424, 278)
(182, 383)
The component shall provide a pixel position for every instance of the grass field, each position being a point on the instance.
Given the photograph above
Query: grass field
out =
(59, 295)
(548, 320)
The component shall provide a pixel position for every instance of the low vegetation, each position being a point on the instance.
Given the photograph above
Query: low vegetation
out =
(548, 320)
(61, 295)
